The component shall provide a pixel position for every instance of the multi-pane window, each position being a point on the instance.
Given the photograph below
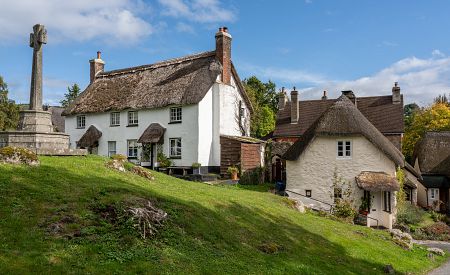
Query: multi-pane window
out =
(81, 121)
(115, 119)
(133, 118)
(434, 193)
(387, 201)
(176, 114)
(111, 148)
(132, 148)
(344, 149)
(308, 193)
(175, 147)
(3, 142)
(337, 194)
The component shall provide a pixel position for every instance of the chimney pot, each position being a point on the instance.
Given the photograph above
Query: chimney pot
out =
(99, 55)
(324, 97)
(396, 96)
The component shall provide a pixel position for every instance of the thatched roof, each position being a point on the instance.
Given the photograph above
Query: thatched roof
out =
(57, 120)
(279, 148)
(153, 134)
(379, 110)
(244, 139)
(433, 153)
(90, 138)
(344, 119)
(377, 181)
(180, 81)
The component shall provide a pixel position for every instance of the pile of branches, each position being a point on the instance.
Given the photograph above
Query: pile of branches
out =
(147, 219)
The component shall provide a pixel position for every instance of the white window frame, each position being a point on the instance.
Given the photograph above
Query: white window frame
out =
(177, 149)
(133, 118)
(434, 193)
(176, 114)
(347, 153)
(114, 119)
(387, 201)
(81, 121)
(134, 153)
(110, 151)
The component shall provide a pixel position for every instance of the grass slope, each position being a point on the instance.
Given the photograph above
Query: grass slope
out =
(211, 229)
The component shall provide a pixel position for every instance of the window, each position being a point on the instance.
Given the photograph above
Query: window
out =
(115, 119)
(3, 142)
(133, 118)
(132, 148)
(111, 148)
(434, 193)
(337, 194)
(81, 122)
(308, 193)
(344, 149)
(387, 201)
(175, 147)
(176, 114)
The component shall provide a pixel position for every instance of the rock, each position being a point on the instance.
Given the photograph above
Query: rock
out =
(389, 269)
(436, 251)
(403, 227)
(402, 239)
(300, 206)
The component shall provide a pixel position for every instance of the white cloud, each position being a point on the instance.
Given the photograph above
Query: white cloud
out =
(113, 20)
(203, 11)
(420, 79)
(183, 27)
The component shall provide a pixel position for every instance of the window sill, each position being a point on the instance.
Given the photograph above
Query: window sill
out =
(80, 128)
(175, 122)
(390, 212)
(132, 125)
(175, 157)
(114, 125)
(132, 157)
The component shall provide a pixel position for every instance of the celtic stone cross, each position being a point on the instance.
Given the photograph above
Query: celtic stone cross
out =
(37, 38)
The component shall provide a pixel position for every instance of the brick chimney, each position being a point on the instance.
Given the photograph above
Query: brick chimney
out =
(282, 99)
(350, 95)
(396, 96)
(97, 65)
(223, 53)
(324, 97)
(294, 106)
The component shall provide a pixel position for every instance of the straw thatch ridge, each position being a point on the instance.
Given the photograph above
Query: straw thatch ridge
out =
(180, 81)
(344, 119)
(432, 151)
(90, 138)
(377, 181)
(279, 148)
(153, 134)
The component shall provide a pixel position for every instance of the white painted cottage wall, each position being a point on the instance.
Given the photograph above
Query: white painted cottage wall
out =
(314, 169)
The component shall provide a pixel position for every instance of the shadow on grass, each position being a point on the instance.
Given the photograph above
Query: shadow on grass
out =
(196, 239)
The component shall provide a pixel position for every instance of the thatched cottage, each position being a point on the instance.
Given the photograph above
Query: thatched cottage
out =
(432, 159)
(179, 108)
(343, 146)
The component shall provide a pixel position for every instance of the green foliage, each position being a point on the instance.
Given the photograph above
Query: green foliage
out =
(196, 165)
(401, 195)
(438, 217)
(344, 209)
(409, 110)
(163, 160)
(264, 100)
(253, 176)
(410, 214)
(434, 118)
(232, 169)
(9, 111)
(72, 93)
(443, 99)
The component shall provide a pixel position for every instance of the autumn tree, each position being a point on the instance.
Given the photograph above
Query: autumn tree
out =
(433, 118)
(72, 93)
(9, 111)
(409, 110)
(442, 99)
(263, 97)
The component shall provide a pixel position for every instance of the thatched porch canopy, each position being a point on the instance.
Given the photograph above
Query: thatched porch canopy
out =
(153, 134)
(377, 181)
(90, 138)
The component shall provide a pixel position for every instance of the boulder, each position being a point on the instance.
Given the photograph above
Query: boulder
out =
(402, 239)
(436, 251)
(389, 269)
(299, 206)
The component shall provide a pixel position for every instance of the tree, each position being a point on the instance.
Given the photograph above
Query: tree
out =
(264, 100)
(409, 110)
(442, 99)
(9, 111)
(433, 118)
(72, 93)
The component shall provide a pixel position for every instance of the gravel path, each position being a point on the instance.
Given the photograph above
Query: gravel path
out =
(445, 268)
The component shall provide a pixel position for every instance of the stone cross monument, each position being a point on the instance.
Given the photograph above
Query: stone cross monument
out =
(37, 39)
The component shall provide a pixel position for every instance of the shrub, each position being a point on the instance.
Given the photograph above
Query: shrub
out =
(232, 169)
(163, 160)
(437, 231)
(344, 209)
(409, 214)
(437, 217)
(253, 176)
(18, 155)
(196, 165)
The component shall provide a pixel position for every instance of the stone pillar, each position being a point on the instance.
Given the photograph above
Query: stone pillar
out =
(37, 38)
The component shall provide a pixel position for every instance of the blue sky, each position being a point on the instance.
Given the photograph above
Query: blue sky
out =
(314, 45)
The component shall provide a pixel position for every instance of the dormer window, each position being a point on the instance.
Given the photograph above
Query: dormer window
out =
(176, 114)
(344, 149)
(81, 122)
(133, 118)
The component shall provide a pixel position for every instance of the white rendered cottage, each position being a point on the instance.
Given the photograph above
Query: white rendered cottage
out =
(179, 107)
(342, 143)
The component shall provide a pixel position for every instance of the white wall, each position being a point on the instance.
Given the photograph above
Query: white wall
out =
(314, 169)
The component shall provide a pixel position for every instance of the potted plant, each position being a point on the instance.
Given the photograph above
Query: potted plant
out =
(163, 161)
(233, 171)
(196, 168)
(364, 207)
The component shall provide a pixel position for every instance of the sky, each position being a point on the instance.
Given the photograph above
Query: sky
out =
(314, 45)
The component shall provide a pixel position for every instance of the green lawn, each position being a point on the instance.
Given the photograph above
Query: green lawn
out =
(211, 229)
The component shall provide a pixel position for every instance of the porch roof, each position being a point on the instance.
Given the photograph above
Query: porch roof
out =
(153, 134)
(90, 137)
(377, 181)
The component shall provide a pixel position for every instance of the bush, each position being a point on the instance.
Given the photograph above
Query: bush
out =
(163, 160)
(253, 177)
(409, 214)
(344, 209)
(437, 231)
(438, 217)
(18, 155)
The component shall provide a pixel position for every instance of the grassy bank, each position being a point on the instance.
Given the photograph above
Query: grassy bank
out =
(211, 229)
